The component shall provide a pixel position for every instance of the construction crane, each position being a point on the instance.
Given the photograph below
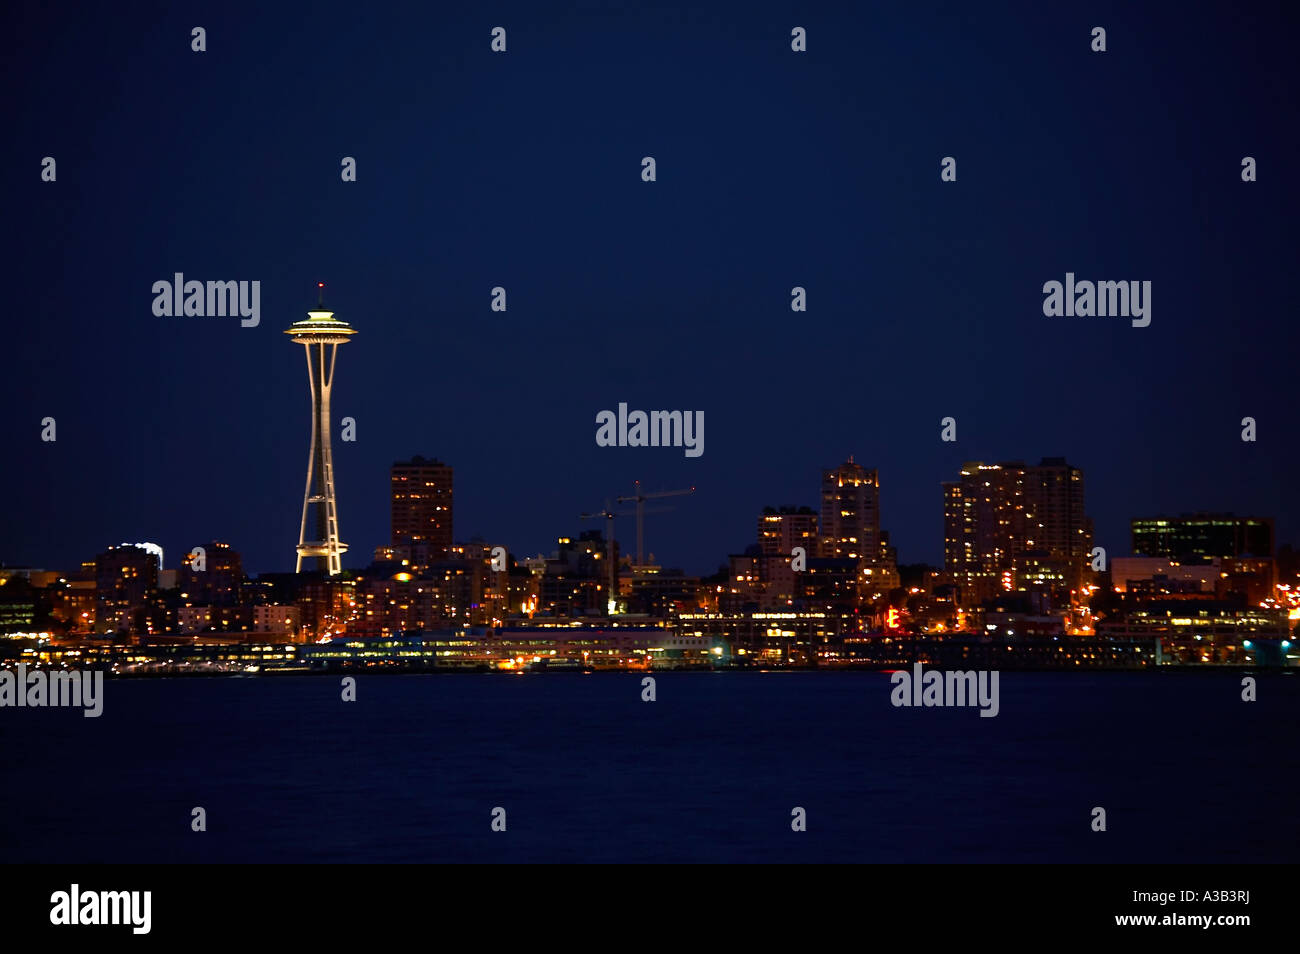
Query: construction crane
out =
(609, 516)
(640, 499)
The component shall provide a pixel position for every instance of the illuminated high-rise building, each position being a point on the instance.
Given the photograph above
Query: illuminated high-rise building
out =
(320, 334)
(421, 507)
(1055, 523)
(1003, 518)
(850, 521)
(126, 582)
(851, 531)
(781, 530)
(1201, 537)
(211, 575)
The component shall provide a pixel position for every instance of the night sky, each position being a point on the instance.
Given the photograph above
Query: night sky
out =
(523, 169)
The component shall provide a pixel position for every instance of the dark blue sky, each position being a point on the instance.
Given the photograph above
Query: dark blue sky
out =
(522, 169)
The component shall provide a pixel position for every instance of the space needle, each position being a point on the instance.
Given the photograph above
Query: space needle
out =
(321, 334)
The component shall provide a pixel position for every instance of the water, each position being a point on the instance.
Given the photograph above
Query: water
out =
(586, 771)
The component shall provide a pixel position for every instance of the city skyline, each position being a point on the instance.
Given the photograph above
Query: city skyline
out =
(404, 516)
(924, 296)
(675, 527)
(424, 527)
(778, 434)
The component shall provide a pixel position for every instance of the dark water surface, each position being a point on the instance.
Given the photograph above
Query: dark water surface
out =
(586, 771)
